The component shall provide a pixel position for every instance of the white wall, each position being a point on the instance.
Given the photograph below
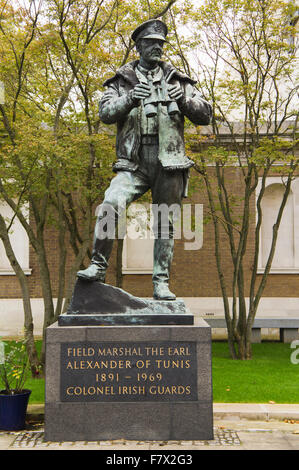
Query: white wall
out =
(12, 319)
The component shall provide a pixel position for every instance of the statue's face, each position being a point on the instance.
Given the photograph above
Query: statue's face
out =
(150, 50)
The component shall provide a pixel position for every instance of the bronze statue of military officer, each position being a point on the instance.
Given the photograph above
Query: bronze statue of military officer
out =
(148, 100)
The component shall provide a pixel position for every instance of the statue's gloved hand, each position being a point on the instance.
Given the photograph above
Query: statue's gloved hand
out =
(141, 91)
(175, 92)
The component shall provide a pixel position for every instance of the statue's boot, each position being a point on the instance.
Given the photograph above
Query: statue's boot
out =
(102, 246)
(163, 253)
(92, 273)
(162, 292)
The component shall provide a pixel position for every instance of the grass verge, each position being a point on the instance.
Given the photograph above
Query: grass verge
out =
(269, 376)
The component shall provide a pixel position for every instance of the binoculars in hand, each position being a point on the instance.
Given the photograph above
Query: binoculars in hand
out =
(159, 94)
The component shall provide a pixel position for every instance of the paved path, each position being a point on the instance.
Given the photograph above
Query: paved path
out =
(236, 427)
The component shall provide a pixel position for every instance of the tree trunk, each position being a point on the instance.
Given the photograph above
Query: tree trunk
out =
(28, 318)
(47, 294)
(82, 252)
(62, 259)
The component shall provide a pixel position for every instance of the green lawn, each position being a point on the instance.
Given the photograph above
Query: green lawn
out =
(269, 376)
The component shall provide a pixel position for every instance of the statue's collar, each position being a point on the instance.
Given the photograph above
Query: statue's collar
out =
(127, 72)
(143, 74)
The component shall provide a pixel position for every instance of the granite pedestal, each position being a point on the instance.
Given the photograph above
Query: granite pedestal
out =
(128, 382)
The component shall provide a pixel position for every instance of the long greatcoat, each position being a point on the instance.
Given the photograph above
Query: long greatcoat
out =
(118, 106)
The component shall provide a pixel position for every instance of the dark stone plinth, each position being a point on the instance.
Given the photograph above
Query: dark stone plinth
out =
(129, 319)
(170, 404)
(96, 303)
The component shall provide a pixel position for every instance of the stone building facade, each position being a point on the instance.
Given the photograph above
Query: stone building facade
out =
(194, 273)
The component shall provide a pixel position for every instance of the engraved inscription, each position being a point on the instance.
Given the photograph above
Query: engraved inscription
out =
(164, 371)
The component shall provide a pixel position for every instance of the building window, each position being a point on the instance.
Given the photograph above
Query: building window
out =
(19, 241)
(286, 257)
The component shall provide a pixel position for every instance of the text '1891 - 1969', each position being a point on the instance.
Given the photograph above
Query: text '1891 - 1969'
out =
(155, 371)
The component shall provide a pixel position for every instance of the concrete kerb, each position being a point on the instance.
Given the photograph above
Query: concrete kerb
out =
(249, 411)
(256, 411)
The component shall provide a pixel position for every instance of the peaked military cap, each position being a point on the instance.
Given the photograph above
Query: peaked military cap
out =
(151, 29)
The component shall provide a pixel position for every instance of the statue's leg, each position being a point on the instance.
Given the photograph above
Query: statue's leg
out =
(167, 196)
(124, 188)
(163, 253)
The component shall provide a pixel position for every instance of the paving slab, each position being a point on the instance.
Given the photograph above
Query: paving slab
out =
(228, 435)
